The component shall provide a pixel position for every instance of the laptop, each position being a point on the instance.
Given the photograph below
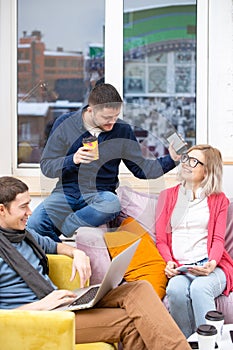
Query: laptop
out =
(87, 297)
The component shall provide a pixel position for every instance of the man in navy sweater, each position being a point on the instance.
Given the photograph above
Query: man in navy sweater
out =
(85, 191)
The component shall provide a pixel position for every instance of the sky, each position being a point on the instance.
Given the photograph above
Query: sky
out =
(61, 22)
(71, 24)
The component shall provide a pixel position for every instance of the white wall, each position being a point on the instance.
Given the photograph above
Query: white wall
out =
(228, 180)
(220, 121)
(220, 87)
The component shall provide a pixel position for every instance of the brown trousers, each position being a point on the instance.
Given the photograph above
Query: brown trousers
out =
(134, 315)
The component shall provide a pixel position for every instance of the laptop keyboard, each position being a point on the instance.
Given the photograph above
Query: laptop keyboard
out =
(86, 297)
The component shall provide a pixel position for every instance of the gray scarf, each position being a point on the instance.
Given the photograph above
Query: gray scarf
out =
(39, 285)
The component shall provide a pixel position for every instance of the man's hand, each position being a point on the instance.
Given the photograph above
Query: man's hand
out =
(175, 156)
(51, 301)
(56, 298)
(81, 263)
(84, 155)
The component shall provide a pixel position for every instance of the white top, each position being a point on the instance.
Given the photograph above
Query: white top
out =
(189, 224)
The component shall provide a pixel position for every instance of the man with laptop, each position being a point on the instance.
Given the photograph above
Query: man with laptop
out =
(131, 313)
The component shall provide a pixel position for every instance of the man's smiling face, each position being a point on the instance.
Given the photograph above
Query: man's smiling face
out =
(15, 216)
(104, 118)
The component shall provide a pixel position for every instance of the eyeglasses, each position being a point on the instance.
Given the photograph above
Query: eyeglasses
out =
(192, 162)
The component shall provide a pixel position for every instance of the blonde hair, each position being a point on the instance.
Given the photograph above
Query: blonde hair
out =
(212, 183)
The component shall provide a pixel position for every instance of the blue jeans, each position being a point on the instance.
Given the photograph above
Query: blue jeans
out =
(59, 214)
(191, 297)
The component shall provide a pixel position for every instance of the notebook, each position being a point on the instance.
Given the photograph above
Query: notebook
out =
(87, 297)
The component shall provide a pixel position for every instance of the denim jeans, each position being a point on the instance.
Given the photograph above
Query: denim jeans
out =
(59, 214)
(191, 297)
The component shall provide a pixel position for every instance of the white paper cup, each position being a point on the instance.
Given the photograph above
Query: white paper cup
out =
(206, 335)
(216, 319)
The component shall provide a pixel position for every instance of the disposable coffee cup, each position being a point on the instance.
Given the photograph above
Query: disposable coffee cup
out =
(216, 318)
(92, 143)
(206, 335)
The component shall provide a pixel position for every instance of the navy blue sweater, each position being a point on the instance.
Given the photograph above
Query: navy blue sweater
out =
(118, 144)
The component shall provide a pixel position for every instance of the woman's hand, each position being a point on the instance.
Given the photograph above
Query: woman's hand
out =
(170, 269)
(204, 270)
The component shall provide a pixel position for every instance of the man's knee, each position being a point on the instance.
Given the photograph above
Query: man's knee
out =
(110, 201)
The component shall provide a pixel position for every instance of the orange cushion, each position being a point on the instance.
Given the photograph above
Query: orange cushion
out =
(147, 263)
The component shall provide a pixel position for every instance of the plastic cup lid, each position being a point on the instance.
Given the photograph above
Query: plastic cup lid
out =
(214, 316)
(89, 139)
(206, 329)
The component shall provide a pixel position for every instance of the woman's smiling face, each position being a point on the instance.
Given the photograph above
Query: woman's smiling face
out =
(194, 175)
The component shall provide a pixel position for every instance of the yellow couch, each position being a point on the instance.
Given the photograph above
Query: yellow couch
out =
(45, 330)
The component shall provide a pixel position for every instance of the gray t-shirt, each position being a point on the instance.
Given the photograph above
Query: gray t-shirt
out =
(14, 292)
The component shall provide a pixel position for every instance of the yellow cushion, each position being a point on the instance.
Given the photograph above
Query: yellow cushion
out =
(147, 263)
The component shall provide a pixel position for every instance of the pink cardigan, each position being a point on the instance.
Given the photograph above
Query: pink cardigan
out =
(218, 207)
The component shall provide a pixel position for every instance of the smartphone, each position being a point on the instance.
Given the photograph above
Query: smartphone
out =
(184, 268)
(194, 345)
(178, 143)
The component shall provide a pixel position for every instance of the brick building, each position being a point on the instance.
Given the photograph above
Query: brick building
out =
(41, 72)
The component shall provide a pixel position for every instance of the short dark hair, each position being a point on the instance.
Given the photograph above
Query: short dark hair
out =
(10, 187)
(105, 96)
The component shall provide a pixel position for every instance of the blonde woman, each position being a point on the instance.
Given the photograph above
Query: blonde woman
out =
(190, 230)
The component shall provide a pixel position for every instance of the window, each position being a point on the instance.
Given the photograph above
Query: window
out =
(56, 62)
(159, 65)
(159, 70)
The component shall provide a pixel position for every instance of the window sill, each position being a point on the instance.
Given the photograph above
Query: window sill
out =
(41, 186)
